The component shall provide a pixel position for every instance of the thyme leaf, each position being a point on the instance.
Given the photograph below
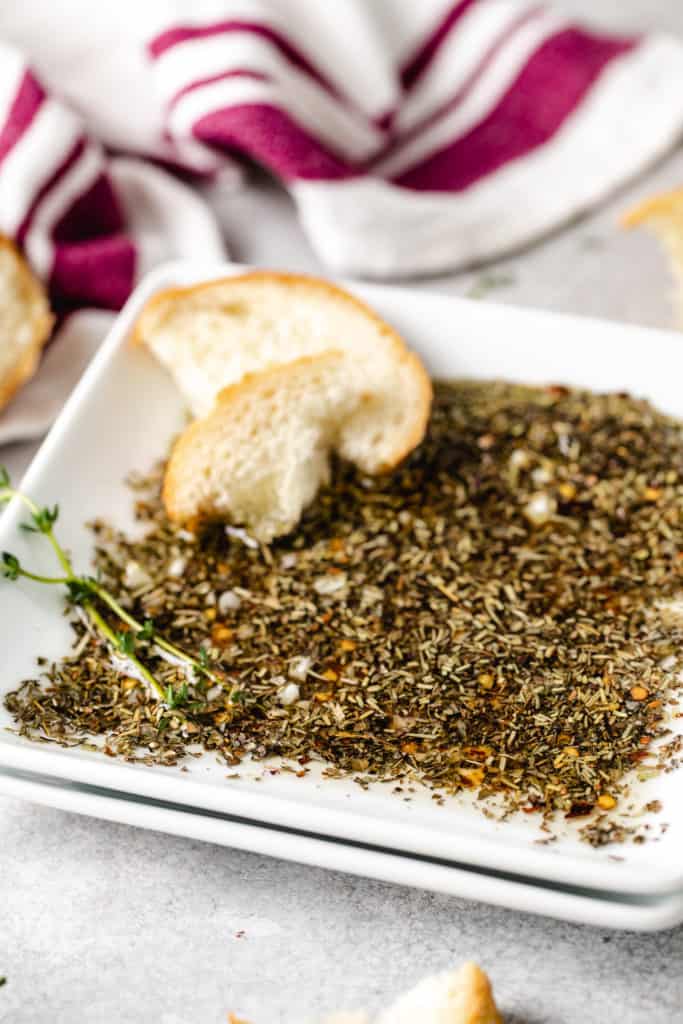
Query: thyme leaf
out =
(11, 567)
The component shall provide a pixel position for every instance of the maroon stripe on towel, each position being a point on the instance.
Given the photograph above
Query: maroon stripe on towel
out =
(61, 169)
(94, 213)
(94, 263)
(96, 272)
(25, 105)
(420, 61)
(546, 92)
(220, 76)
(183, 33)
(272, 137)
(509, 30)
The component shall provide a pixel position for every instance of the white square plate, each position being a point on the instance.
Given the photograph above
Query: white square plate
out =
(583, 906)
(121, 418)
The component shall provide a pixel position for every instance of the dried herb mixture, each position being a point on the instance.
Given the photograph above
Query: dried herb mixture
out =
(486, 617)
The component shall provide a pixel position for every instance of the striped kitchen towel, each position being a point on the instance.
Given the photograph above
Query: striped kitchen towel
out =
(414, 137)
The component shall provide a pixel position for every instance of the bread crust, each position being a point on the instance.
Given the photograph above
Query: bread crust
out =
(665, 204)
(308, 284)
(481, 1007)
(42, 320)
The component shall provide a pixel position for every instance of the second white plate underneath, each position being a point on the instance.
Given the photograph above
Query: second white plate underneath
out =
(585, 907)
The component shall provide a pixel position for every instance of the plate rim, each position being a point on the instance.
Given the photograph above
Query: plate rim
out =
(397, 867)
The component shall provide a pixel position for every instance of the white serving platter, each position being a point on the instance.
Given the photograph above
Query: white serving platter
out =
(120, 418)
(570, 904)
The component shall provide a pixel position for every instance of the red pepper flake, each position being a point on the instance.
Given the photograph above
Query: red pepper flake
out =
(579, 810)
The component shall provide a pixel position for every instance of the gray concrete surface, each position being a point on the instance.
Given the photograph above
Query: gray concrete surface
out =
(106, 924)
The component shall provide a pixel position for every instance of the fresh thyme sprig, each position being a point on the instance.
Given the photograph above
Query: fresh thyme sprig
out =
(145, 631)
(83, 590)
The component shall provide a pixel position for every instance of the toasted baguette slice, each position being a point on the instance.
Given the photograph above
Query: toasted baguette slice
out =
(213, 335)
(663, 215)
(454, 997)
(261, 454)
(25, 321)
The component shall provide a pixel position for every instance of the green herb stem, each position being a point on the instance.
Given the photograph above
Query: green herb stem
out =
(108, 632)
(43, 579)
(9, 492)
(158, 640)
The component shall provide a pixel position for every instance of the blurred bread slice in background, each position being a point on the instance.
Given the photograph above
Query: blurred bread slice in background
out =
(663, 215)
(25, 321)
(462, 996)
